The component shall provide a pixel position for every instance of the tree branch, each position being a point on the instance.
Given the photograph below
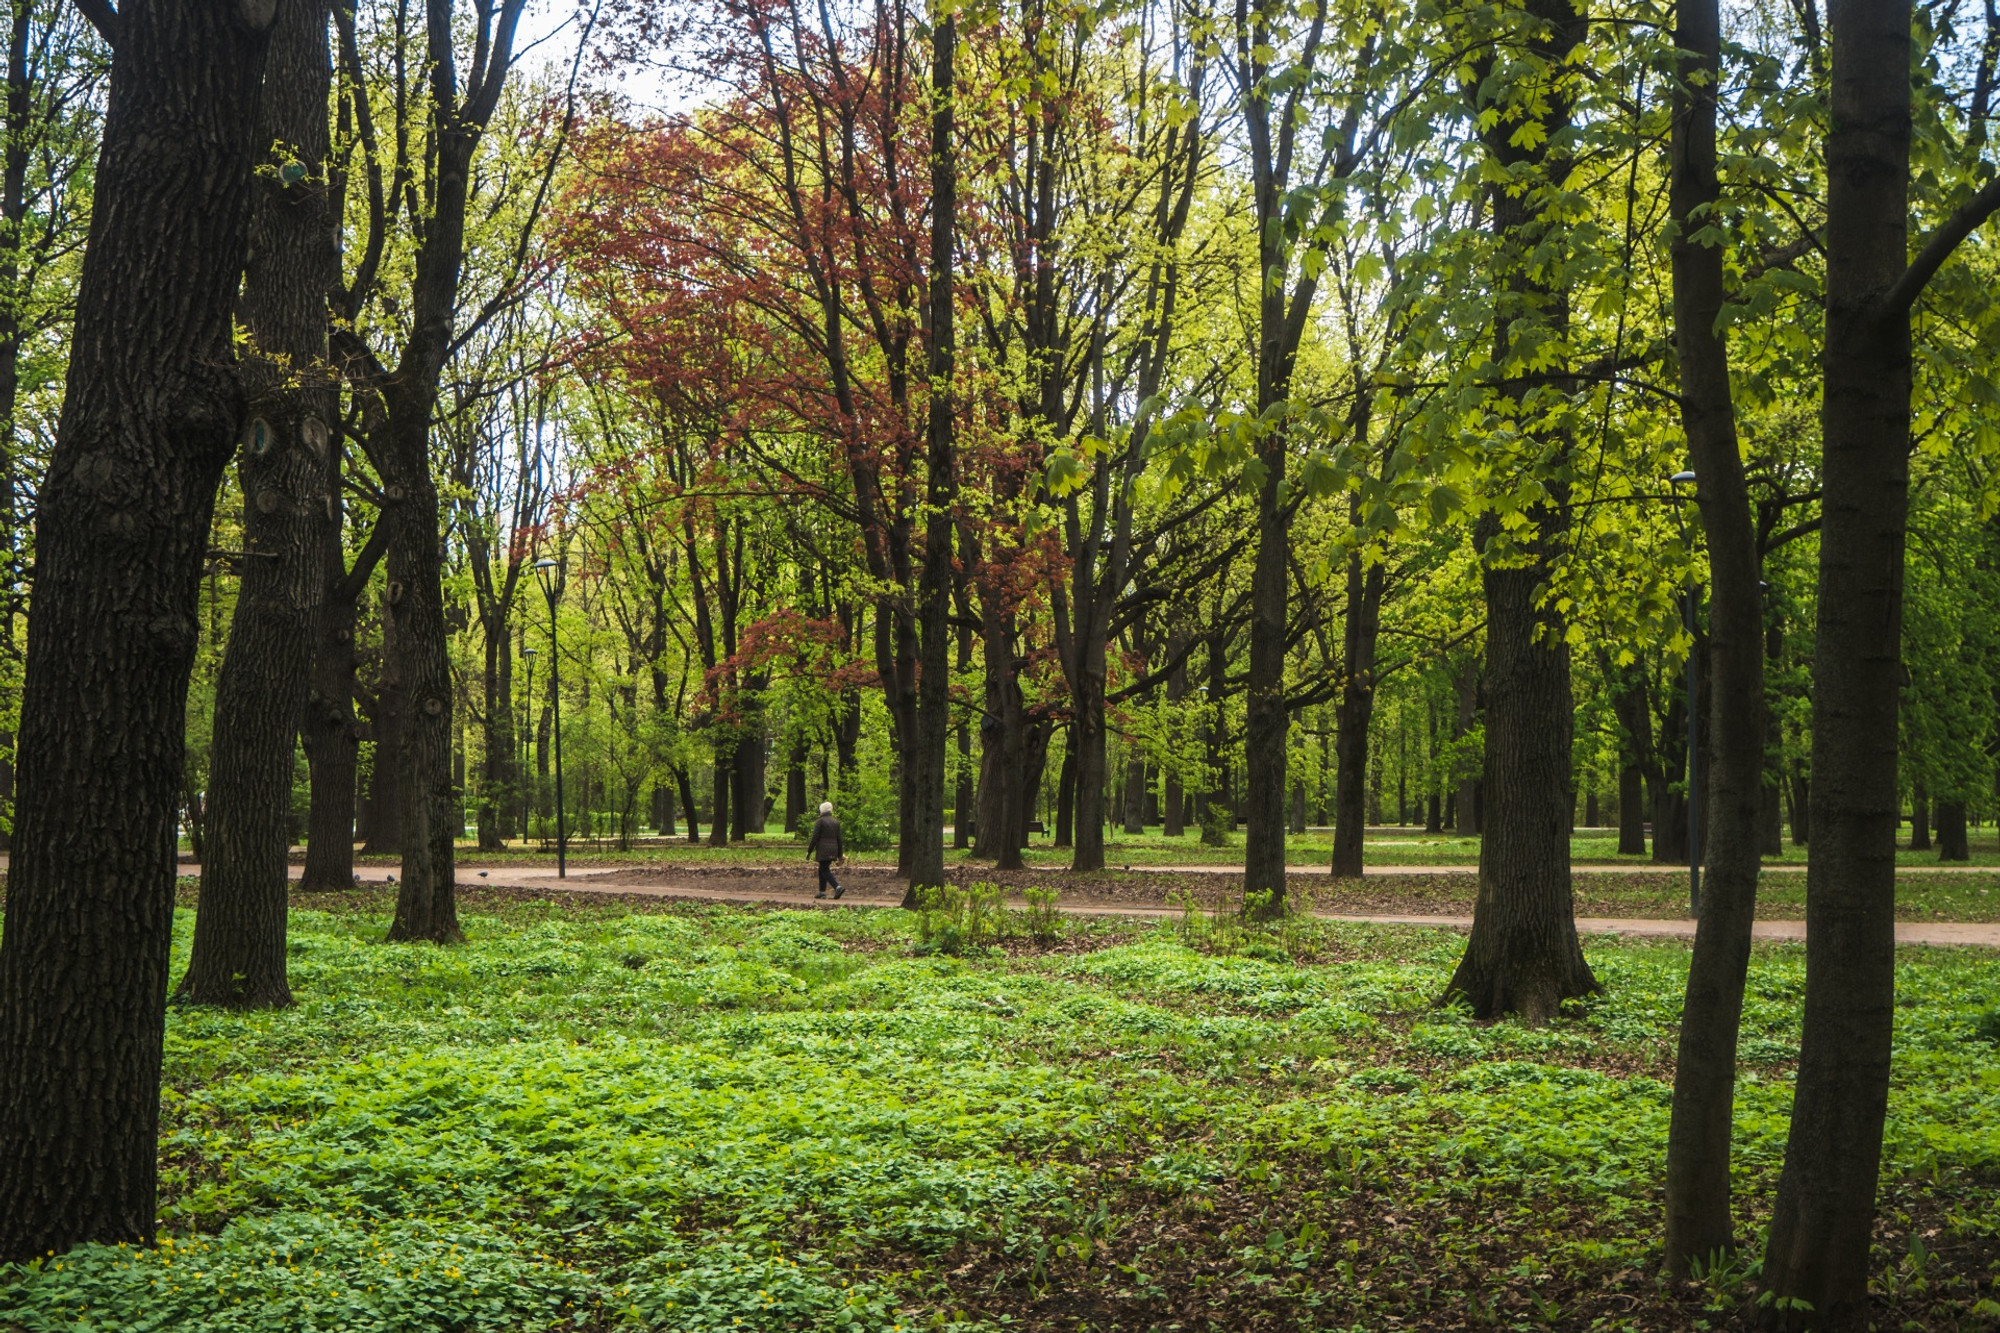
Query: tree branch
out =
(1943, 241)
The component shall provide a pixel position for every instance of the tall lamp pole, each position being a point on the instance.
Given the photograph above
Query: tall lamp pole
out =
(528, 750)
(1678, 480)
(549, 573)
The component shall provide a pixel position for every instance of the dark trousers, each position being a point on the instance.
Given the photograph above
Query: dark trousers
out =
(826, 879)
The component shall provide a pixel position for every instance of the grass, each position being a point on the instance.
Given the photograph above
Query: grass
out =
(1385, 845)
(722, 1119)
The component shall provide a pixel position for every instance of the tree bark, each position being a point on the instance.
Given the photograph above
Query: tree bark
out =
(1066, 795)
(1635, 745)
(238, 956)
(385, 728)
(1920, 818)
(151, 412)
(1523, 955)
(1698, 1139)
(1824, 1213)
(1355, 711)
(1951, 837)
(331, 737)
(1465, 690)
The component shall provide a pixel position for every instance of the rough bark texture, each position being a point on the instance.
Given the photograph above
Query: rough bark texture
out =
(329, 731)
(285, 467)
(1698, 1139)
(151, 414)
(1825, 1208)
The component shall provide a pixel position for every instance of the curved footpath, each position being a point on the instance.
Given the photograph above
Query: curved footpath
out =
(616, 881)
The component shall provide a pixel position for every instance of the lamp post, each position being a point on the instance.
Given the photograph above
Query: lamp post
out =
(1678, 480)
(528, 750)
(549, 573)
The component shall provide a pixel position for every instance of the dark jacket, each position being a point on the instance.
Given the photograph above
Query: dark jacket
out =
(825, 841)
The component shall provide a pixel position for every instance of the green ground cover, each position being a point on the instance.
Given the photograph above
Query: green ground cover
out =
(1384, 846)
(721, 1119)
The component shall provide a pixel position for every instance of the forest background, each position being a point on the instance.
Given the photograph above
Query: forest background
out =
(1240, 415)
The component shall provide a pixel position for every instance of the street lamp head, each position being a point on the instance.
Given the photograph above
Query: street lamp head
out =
(547, 571)
(1682, 479)
(528, 651)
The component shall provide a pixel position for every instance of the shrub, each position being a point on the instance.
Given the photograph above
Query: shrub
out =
(1044, 917)
(959, 921)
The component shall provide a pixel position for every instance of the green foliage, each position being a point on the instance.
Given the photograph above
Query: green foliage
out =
(960, 921)
(784, 1118)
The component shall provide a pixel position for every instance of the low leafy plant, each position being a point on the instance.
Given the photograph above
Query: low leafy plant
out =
(1044, 917)
(959, 921)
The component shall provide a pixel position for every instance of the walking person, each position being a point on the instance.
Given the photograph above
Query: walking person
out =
(825, 847)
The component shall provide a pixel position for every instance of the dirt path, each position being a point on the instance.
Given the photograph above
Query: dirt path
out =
(875, 886)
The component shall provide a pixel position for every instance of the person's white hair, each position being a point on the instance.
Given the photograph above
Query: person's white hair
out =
(826, 807)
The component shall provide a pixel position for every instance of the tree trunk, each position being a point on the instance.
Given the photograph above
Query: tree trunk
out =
(1698, 1139)
(1003, 798)
(1135, 791)
(684, 783)
(1523, 956)
(238, 955)
(1824, 1213)
(151, 412)
(1066, 795)
(331, 737)
(1951, 839)
(795, 786)
(385, 728)
(962, 816)
(921, 840)
(1355, 712)
(722, 786)
(1465, 690)
(1265, 719)
(1635, 744)
(500, 782)
(1920, 818)
(1798, 798)
(1087, 735)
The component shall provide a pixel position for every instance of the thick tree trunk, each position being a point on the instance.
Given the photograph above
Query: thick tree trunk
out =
(151, 412)
(238, 956)
(1523, 955)
(1951, 837)
(426, 892)
(1135, 792)
(1698, 1139)
(1087, 735)
(1824, 1214)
